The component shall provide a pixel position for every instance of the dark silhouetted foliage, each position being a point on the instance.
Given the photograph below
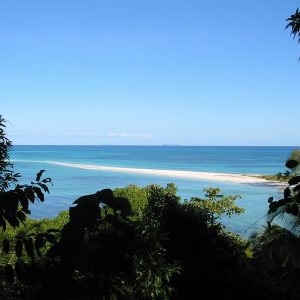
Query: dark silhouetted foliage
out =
(288, 206)
(14, 209)
(294, 24)
(277, 248)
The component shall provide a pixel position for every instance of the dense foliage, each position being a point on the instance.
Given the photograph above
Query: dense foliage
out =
(277, 247)
(152, 269)
(289, 204)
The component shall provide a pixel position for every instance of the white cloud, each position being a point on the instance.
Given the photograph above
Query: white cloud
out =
(78, 137)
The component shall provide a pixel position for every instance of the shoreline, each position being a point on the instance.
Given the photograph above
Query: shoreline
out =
(250, 179)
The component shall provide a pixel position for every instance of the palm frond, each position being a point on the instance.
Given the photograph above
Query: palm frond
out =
(278, 244)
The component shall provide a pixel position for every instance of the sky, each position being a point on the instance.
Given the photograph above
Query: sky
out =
(149, 72)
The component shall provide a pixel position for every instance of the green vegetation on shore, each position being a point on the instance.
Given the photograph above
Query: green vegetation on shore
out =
(286, 175)
(280, 177)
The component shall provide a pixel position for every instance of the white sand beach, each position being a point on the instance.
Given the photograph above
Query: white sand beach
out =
(221, 177)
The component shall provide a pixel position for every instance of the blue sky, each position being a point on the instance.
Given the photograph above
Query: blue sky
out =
(149, 72)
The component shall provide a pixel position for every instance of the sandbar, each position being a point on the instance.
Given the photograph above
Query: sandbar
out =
(194, 175)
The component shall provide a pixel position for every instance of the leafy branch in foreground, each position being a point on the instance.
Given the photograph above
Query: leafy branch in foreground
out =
(7, 176)
(15, 200)
(294, 24)
(288, 206)
(277, 248)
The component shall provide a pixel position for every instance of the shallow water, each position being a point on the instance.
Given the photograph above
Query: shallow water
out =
(70, 183)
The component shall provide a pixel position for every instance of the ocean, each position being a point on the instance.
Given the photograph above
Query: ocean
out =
(71, 183)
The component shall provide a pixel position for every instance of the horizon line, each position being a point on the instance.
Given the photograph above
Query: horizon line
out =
(155, 145)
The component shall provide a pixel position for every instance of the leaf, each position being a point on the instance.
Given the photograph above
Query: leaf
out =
(46, 180)
(9, 273)
(44, 187)
(12, 220)
(23, 200)
(5, 246)
(287, 192)
(19, 248)
(21, 215)
(294, 180)
(106, 196)
(39, 175)
(39, 193)
(30, 194)
(270, 200)
(87, 211)
(39, 243)
(12, 202)
(2, 223)
(291, 163)
(50, 238)
(296, 188)
(29, 248)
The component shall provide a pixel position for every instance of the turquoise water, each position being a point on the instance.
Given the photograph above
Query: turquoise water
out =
(70, 183)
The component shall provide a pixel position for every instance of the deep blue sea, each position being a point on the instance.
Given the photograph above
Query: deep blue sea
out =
(71, 183)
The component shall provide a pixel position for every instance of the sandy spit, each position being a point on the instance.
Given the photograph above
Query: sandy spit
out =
(221, 177)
